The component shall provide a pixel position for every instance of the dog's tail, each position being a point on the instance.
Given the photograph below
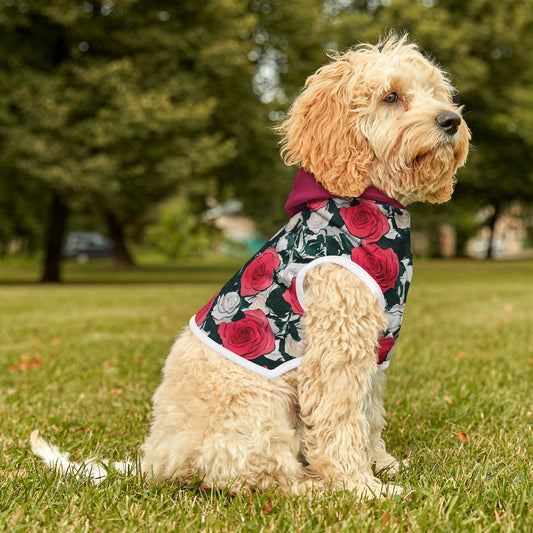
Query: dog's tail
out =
(95, 471)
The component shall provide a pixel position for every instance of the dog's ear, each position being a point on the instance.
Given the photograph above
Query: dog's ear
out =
(322, 132)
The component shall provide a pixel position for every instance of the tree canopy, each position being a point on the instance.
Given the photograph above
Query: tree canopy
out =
(113, 105)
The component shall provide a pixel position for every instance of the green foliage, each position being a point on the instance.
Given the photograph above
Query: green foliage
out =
(112, 106)
(461, 365)
(120, 107)
(179, 233)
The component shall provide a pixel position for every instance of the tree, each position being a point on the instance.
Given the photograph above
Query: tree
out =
(110, 106)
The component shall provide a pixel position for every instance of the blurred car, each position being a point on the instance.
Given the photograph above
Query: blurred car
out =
(83, 246)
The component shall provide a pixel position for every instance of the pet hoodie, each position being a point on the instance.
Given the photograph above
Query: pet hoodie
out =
(255, 320)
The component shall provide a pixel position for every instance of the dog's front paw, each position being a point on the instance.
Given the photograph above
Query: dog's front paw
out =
(379, 490)
(388, 466)
(393, 490)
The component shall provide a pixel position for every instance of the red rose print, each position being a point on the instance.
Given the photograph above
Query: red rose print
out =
(200, 316)
(258, 275)
(365, 221)
(385, 346)
(314, 205)
(248, 337)
(381, 263)
(291, 298)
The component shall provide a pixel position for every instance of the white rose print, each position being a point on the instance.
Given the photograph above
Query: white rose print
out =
(226, 307)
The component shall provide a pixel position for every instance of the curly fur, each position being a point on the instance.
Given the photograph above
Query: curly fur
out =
(339, 129)
(318, 426)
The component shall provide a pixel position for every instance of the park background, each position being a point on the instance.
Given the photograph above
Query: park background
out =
(152, 123)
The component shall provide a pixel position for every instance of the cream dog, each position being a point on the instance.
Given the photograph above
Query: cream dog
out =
(279, 380)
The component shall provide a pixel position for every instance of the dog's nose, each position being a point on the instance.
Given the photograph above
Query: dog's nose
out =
(449, 122)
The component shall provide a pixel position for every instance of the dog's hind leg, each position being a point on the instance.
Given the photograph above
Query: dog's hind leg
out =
(343, 324)
(215, 419)
(254, 445)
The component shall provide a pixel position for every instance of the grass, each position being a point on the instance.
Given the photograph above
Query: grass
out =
(81, 360)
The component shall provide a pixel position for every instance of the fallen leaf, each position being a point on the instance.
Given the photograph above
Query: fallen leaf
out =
(25, 365)
(447, 399)
(463, 437)
(116, 391)
(397, 403)
(460, 355)
(508, 307)
(267, 509)
(385, 518)
(56, 341)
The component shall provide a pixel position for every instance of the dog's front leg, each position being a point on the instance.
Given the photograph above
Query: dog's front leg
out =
(343, 324)
(385, 463)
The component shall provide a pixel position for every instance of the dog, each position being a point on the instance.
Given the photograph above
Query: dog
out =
(278, 381)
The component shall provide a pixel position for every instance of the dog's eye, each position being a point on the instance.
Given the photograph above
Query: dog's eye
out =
(391, 98)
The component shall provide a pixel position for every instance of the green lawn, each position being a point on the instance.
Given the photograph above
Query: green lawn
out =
(81, 360)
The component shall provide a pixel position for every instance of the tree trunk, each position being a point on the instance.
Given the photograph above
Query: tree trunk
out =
(492, 226)
(55, 233)
(122, 255)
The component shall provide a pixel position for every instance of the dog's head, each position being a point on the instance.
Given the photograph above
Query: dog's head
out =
(378, 115)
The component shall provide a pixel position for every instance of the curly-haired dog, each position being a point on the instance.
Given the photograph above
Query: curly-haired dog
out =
(279, 379)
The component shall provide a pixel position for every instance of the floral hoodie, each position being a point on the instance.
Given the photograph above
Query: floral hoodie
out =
(256, 318)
